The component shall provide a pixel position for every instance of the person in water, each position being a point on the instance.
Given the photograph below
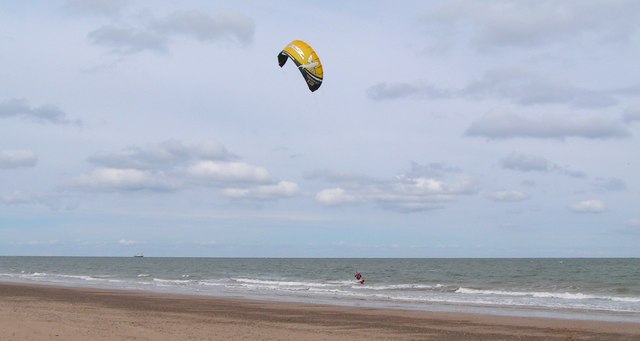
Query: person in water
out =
(358, 276)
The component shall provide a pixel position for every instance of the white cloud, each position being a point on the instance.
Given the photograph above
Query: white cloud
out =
(110, 8)
(282, 189)
(504, 126)
(418, 90)
(588, 206)
(17, 158)
(172, 165)
(18, 107)
(127, 242)
(355, 179)
(525, 163)
(518, 85)
(407, 192)
(531, 163)
(155, 35)
(42, 242)
(528, 24)
(631, 115)
(527, 88)
(508, 196)
(128, 40)
(420, 185)
(431, 170)
(18, 198)
(203, 26)
(569, 172)
(109, 179)
(610, 184)
(160, 156)
(215, 171)
(335, 196)
(430, 186)
(54, 201)
(634, 222)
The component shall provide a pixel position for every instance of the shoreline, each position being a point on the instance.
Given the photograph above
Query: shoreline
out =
(33, 311)
(434, 307)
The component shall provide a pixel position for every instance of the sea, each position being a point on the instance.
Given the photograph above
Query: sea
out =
(585, 288)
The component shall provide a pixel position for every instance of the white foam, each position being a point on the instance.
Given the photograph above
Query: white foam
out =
(407, 287)
(538, 294)
(169, 282)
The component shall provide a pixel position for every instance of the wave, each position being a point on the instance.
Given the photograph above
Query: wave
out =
(413, 287)
(538, 294)
(61, 278)
(168, 282)
(344, 290)
(285, 284)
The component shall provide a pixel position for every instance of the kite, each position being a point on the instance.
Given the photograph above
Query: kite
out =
(307, 61)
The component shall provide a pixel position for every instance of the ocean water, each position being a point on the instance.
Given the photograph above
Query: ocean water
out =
(601, 289)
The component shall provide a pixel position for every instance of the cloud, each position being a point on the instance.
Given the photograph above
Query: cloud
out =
(504, 126)
(340, 177)
(390, 91)
(161, 156)
(407, 192)
(127, 242)
(516, 85)
(610, 184)
(17, 158)
(42, 242)
(110, 8)
(48, 113)
(526, 88)
(156, 34)
(128, 40)
(213, 171)
(508, 196)
(588, 206)
(569, 172)
(631, 115)
(283, 189)
(531, 163)
(525, 163)
(205, 27)
(634, 222)
(525, 24)
(175, 166)
(15, 198)
(428, 186)
(112, 179)
(54, 201)
(335, 196)
(433, 169)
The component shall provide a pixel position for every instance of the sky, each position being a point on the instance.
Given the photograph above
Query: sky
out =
(442, 129)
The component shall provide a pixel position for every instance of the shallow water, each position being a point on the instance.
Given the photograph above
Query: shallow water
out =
(605, 289)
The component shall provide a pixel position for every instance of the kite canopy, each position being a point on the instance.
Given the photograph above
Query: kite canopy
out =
(306, 60)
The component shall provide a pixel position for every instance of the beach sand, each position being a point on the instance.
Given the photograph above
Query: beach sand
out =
(34, 312)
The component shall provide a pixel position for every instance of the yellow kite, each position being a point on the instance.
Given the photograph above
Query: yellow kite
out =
(306, 60)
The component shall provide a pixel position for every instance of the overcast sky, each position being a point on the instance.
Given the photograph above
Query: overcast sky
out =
(442, 129)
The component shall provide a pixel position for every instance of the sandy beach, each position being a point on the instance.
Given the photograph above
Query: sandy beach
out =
(34, 312)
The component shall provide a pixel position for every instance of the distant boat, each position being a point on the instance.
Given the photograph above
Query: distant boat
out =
(138, 255)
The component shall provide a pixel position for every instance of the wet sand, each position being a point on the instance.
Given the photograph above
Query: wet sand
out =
(34, 312)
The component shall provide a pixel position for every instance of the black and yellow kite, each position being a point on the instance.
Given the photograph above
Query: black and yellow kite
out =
(306, 60)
